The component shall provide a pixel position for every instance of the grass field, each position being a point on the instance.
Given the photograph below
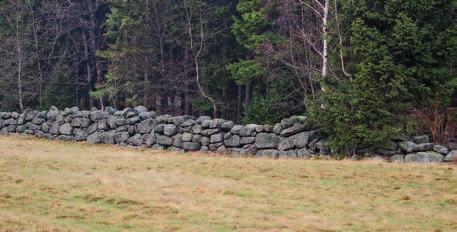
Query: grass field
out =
(56, 186)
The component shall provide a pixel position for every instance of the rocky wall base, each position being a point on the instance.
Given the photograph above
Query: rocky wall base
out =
(292, 138)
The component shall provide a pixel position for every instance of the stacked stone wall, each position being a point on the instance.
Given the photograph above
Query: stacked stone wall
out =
(292, 138)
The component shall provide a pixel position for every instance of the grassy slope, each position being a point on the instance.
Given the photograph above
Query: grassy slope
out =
(56, 186)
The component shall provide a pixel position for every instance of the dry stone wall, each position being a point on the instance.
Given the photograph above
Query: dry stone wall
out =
(292, 138)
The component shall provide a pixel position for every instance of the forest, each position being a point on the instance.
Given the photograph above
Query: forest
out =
(365, 71)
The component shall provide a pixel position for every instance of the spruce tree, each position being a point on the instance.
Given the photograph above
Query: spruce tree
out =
(401, 54)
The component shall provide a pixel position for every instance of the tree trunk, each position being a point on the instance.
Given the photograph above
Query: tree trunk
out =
(240, 102)
(88, 72)
(248, 94)
(325, 46)
(19, 57)
(146, 81)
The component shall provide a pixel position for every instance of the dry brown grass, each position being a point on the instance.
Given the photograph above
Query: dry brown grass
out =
(57, 186)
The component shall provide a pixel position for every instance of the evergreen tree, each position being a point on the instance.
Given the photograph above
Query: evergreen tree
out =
(401, 54)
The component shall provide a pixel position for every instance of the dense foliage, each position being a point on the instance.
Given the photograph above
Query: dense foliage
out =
(366, 71)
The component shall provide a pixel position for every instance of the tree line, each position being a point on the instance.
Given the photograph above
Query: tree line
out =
(365, 70)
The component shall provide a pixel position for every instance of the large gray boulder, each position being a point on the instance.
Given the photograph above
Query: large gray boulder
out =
(398, 158)
(247, 140)
(30, 115)
(80, 122)
(189, 146)
(266, 141)
(151, 139)
(304, 153)
(272, 154)
(21, 129)
(65, 138)
(164, 140)
(424, 157)
(322, 146)
(248, 130)
(103, 124)
(45, 127)
(209, 132)
(421, 139)
(187, 137)
(80, 134)
(133, 120)
(451, 157)
(407, 146)
(295, 129)
(441, 149)
(38, 121)
(145, 126)
(424, 147)
(233, 141)
(92, 128)
(120, 137)
(290, 154)
(54, 130)
(216, 123)
(66, 129)
(136, 140)
(217, 138)
(178, 140)
(112, 121)
(197, 129)
(32, 126)
(197, 139)
(286, 144)
(108, 138)
(4, 131)
(140, 109)
(302, 139)
(236, 129)
(170, 129)
(94, 138)
(98, 115)
(227, 126)
(289, 122)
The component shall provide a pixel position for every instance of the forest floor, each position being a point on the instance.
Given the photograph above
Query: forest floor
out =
(60, 186)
